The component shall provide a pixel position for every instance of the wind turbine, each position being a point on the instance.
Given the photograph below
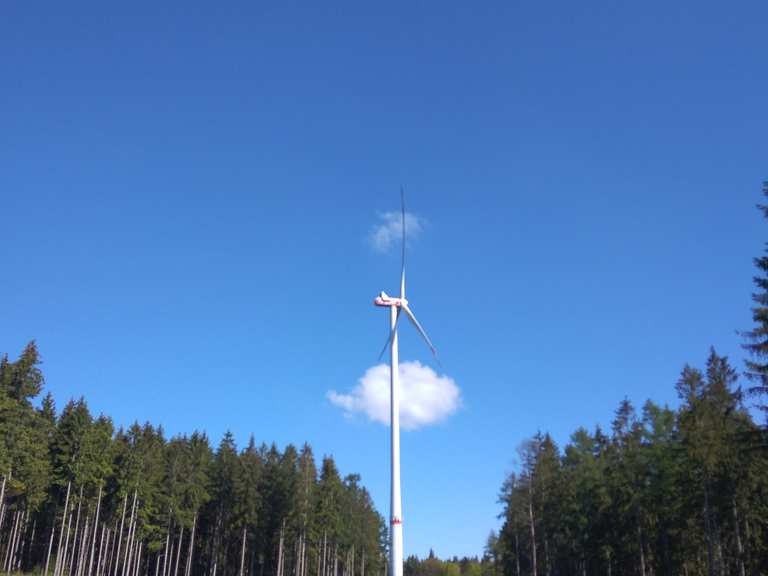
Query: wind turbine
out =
(396, 306)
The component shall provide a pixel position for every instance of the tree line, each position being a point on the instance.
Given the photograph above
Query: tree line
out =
(672, 492)
(78, 497)
(434, 566)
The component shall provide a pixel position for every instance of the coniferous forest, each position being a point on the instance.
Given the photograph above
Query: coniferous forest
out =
(79, 498)
(663, 491)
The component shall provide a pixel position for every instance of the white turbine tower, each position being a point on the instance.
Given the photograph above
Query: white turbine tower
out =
(397, 305)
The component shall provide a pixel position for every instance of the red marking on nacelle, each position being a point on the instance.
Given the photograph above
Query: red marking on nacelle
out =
(387, 302)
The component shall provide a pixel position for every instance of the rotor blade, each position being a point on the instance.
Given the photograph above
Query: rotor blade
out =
(402, 260)
(419, 328)
(391, 337)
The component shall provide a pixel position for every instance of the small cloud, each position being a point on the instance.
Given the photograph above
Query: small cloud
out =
(389, 230)
(425, 396)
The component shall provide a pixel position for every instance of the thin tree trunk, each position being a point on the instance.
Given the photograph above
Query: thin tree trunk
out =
(138, 560)
(28, 547)
(15, 556)
(2, 497)
(61, 535)
(178, 552)
(297, 568)
(18, 548)
(280, 552)
(50, 545)
(14, 519)
(2, 502)
(242, 552)
(116, 556)
(11, 539)
(170, 561)
(83, 549)
(129, 539)
(95, 531)
(104, 553)
(748, 545)
(533, 531)
(708, 530)
(101, 552)
(167, 542)
(112, 538)
(517, 555)
(63, 563)
(109, 546)
(642, 552)
(77, 526)
(188, 570)
(325, 553)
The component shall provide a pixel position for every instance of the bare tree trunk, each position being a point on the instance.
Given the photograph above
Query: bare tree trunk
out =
(116, 556)
(178, 552)
(95, 531)
(101, 552)
(138, 560)
(280, 552)
(83, 550)
(11, 539)
(242, 553)
(188, 569)
(129, 540)
(9, 476)
(112, 539)
(2, 502)
(173, 549)
(748, 546)
(325, 554)
(19, 546)
(30, 544)
(13, 564)
(532, 529)
(167, 542)
(297, 567)
(77, 526)
(50, 545)
(517, 554)
(63, 563)
(14, 519)
(642, 552)
(109, 546)
(61, 535)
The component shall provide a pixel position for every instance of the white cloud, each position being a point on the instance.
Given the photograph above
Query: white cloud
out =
(389, 230)
(425, 397)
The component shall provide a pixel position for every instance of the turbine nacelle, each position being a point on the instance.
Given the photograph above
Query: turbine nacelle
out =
(386, 301)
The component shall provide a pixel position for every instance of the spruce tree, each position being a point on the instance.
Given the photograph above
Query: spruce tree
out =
(757, 338)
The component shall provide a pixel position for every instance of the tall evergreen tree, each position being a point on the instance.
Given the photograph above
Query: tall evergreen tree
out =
(757, 338)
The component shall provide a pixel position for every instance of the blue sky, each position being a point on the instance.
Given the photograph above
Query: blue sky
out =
(187, 193)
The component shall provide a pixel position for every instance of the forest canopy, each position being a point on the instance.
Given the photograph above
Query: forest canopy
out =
(79, 497)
